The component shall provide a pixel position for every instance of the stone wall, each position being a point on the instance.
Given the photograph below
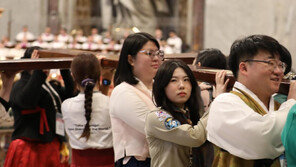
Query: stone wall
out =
(228, 20)
(32, 13)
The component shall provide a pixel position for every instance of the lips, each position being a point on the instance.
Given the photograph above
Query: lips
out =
(275, 79)
(182, 94)
(155, 65)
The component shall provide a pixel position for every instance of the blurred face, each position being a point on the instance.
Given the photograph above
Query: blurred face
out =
(158, 33)
(25, 29)
(172, 34)
(47, 30)
(265, 73)
(145, 66)
(179, 88)
(94, 31)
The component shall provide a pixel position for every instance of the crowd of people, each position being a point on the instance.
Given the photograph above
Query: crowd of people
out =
(157, 114)
(77, 39)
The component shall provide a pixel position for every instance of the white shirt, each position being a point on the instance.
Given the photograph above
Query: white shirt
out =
(29, 36)
(47, 37)
(89, 46)
(100, 124)
(64, 38)
(175, 43)
(97, 37)
(235, 127)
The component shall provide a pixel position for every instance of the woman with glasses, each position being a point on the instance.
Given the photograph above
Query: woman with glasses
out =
(131, 98)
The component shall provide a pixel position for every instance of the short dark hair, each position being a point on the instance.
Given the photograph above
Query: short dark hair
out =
(248, 48)
(131, 46)
(212, 58)
(162, 79)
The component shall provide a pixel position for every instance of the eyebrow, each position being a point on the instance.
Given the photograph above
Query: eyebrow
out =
(183, 77)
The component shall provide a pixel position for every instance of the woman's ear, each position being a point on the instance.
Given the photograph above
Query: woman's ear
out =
(130, 59)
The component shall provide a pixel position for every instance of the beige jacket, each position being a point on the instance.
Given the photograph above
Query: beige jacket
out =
(169, 142)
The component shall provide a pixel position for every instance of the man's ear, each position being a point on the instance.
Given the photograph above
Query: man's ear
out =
(243, 68)
(131, 60)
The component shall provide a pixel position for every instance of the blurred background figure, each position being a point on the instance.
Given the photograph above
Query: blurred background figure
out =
(174, 42)
(25, 35)
(95, 35)
(47, 36)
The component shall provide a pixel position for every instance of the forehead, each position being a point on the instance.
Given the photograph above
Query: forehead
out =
(150, 46)
(266, 55)
(179, 72)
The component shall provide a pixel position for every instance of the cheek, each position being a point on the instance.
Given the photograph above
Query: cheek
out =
(169, 91)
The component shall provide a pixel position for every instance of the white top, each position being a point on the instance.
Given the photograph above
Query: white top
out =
(28, 35)
(47, 37)
(90, 46)
(235, 127)
(97, 37)
(128, 111)
(175, 43)
(100, 125)
(64, 38)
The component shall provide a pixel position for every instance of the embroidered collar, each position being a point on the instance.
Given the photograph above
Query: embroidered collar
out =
(254, 96)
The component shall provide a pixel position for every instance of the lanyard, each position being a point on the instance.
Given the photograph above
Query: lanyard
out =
(51, 91)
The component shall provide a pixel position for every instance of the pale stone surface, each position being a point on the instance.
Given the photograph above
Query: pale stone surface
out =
(228, 20)
(31, 13)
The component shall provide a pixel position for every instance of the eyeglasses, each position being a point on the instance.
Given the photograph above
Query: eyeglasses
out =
(151, 53)
(273, 64)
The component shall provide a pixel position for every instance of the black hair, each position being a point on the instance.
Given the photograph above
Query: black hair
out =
(212, 58)
(85, 68)
(131, 46)
(286, 57)
(29, 51)
(162, 79)
(248, 47)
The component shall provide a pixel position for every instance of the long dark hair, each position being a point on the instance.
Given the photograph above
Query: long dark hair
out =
(86, 72)
(162, 79)
(131, 46)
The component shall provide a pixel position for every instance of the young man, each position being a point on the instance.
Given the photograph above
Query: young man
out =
(245, 125)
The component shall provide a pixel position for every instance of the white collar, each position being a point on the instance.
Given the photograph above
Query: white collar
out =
(254, 96)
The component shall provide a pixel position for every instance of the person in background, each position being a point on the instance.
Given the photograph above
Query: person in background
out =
(38, 138)
(212, 58)
(174, 42)
(175, 127)
(47, 36)
(7, 81)
(245, 124)
(86, 116)
(131, 99)
(96, 37)
(25, 35)
(64, 37)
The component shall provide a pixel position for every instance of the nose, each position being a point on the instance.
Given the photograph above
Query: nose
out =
(278, 71)
(155, 57)
(181, 85)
